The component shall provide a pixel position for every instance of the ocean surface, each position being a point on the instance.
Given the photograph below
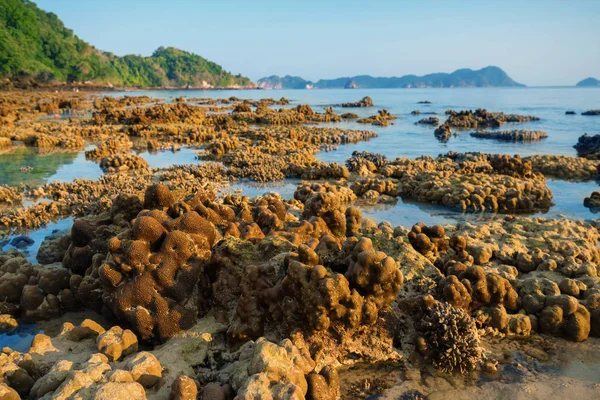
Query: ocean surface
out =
(402, 139)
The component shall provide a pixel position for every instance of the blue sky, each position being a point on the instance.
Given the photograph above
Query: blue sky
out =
(538, 43)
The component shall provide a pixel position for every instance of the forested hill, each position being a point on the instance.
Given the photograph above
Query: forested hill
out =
(36, 44)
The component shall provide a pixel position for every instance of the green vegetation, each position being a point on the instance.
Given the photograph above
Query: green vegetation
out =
(36, 44)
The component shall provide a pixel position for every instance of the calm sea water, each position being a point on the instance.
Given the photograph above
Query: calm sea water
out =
(402, 139)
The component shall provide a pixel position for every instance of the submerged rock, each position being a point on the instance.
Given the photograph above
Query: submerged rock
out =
(21, 242)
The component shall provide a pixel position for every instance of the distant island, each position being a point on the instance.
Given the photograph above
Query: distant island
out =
(589, 82)
(38, 49)
(486, 77)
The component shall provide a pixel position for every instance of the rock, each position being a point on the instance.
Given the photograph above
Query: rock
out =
(267, 370)
(8, 393)
(116, 343)
(87, 329)
(145, 369)
(7, 323)
(120, 390)
(569, 287)
(185, 388)
(54, 247)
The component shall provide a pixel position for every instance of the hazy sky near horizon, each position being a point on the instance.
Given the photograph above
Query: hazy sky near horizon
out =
(538, 43)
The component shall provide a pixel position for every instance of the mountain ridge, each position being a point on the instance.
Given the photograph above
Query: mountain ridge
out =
(490, 76)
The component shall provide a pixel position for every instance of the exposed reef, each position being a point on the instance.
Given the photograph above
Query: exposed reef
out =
(517, 135)
(172, 283)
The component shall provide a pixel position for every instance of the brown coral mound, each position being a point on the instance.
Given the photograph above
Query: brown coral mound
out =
(122, 162)
(150, 274)
(33, 292)
(364, 159)
(383, 118)
(563, 167)
(473, 288)
(428, 240)
(110, 147)
(472, 182)
(517, 135)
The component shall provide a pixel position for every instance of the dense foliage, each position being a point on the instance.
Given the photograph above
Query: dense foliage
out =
(36, 44)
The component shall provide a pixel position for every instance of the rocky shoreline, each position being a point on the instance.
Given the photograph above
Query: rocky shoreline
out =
(166, 288)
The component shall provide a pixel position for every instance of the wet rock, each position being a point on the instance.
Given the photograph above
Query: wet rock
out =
(87, 329)
(116, 343)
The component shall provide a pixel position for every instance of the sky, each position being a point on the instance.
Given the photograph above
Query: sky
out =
(537, 42)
